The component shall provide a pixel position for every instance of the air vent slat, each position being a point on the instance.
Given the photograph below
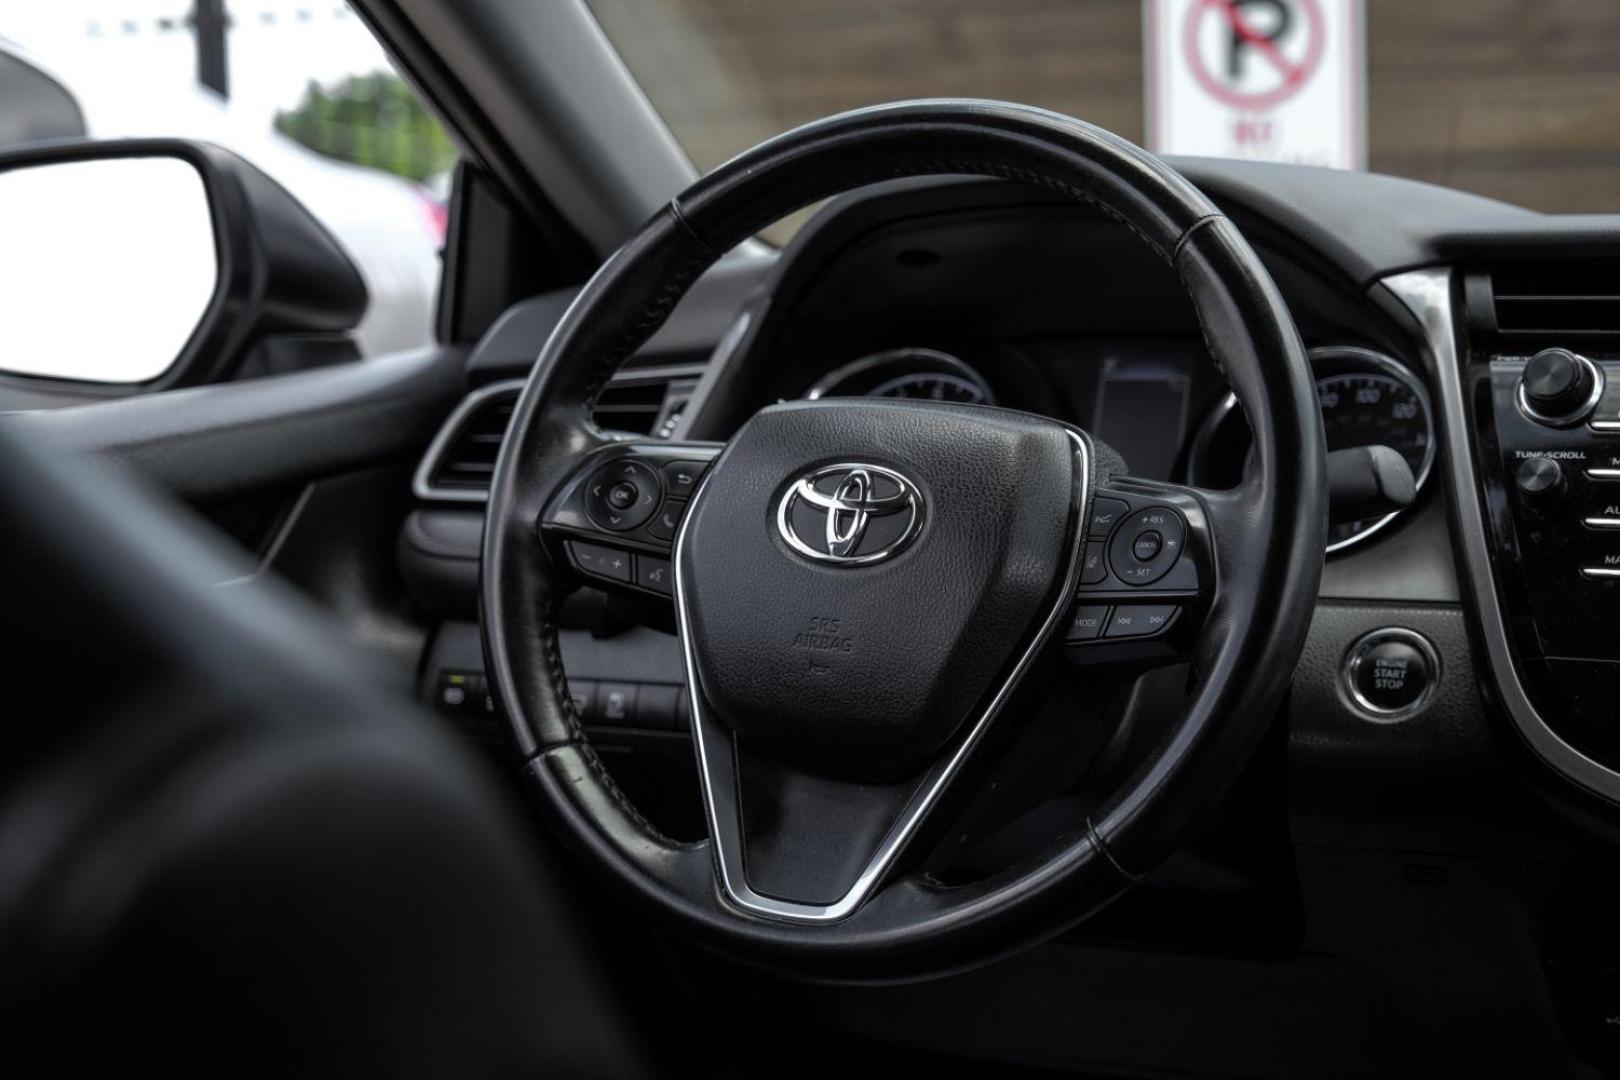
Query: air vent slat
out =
(1563, 299)
(462, 462)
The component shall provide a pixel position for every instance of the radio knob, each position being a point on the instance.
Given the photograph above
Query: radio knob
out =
(1541, 481)
(1559, 387)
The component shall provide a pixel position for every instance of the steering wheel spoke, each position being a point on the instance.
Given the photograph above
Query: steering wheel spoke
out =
(614, 520)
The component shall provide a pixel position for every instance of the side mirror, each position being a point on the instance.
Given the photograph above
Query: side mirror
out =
(144, 264)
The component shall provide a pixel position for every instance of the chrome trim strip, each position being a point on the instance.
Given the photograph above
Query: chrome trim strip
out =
(421, 482)
(1427, 295)
(1603, 474)
(1604, 427)
(1601, 522)
(1600, 572)
(716, 761)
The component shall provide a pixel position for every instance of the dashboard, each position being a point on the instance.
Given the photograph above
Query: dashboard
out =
(1137, 395)
(989, 295)
(1428, 317)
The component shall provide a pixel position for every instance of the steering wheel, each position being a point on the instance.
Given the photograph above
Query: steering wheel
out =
(863, 587)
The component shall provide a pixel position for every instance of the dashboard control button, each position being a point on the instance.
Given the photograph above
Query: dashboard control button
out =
(1541, 481)
(1603, 521)
(622, 495)
(1391, 673)
(658, 706)
(1088, 622)
(1601, 573)
(1093, 564)
(458, 691)
(1140, 621)
(1603, 475)
(599, 561)
(615, 703)
(1558, 387)
(681, 477)
(654, 573)
(667, 520)
(582, 692)
(1106, 513)
(1146, 545)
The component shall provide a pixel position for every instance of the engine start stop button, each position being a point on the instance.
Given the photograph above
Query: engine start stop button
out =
(1391, 673)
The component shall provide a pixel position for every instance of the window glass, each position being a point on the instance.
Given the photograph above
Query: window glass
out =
(1519, 101)
(297, 87)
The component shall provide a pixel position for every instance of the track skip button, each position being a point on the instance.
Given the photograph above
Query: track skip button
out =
(1140, 621)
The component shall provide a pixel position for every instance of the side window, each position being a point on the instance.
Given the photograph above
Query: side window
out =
(298, 88)
(36, 105)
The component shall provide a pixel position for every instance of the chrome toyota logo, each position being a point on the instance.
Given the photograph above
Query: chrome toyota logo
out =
(849, 514)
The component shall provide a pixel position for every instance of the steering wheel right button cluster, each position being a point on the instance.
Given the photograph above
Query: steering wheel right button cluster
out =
(1146, 545)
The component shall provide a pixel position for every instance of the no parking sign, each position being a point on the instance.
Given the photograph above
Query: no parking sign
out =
(1271, 80)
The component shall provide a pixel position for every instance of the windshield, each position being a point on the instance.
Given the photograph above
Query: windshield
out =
(1518, 101)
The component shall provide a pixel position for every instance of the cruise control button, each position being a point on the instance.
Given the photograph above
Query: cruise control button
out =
(622, 495)
(1140, 621)
(653, 573)
(681, 477)
(1146, 545)
(1106, 513)
(599, 561)
(1088, 622)
(1093, 565)
(667, 520)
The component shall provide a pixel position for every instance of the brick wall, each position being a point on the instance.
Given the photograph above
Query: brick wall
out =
(1516, 99)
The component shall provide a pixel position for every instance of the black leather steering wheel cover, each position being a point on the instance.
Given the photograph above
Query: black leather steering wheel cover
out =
(1265, 593)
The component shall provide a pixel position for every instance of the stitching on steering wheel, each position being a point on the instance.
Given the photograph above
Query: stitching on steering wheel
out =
(553, 653)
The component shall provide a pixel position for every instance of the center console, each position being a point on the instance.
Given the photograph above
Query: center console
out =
(1531, 421)
(1547, 446)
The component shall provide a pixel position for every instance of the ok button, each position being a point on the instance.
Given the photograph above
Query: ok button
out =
(1146, 545)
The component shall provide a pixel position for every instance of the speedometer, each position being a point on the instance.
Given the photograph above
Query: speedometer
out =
(932, 386)
(925, 374)
(1367, 399)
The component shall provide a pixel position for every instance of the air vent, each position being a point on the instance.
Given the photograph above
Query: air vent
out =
(1567, 299)
(468, 459)
(632, 406)
(459, 464)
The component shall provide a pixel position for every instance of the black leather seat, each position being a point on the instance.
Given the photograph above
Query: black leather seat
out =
(224, 847)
